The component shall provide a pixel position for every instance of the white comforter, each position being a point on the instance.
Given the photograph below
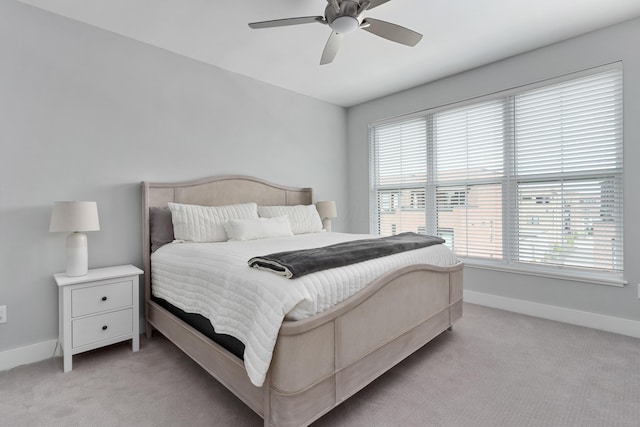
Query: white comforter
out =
(214, 280)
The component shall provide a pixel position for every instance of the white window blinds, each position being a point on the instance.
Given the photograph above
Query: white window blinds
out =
(468, 175)
(531, 178)
(568, 173)
(399, 177)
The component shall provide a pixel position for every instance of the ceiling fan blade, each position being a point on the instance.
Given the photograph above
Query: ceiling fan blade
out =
(376, 3)
(331, 48)
(392, 32)
(288, 21)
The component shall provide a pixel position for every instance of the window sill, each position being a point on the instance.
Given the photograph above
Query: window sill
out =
(608, 279)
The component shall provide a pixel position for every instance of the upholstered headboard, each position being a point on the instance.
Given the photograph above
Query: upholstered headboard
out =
(213, 191)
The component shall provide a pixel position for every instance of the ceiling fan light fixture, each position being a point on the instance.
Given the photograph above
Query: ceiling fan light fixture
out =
(344, 24)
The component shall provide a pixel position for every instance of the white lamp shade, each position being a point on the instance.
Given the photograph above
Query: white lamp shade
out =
(327, 209)
(74, 216)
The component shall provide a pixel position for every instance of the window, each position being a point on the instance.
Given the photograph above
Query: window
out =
(447, 235)
(402, 174)
(530, 178)
(448, 199)
(417, 199)
(388, 201)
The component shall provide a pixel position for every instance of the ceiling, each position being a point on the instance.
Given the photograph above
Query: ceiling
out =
(458, 35)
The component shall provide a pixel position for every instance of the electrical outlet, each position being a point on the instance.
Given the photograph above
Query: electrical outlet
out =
(3, 314)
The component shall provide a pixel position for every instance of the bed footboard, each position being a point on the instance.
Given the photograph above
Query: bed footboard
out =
(320, 362)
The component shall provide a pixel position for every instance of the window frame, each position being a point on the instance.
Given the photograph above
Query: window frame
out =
(509, 261)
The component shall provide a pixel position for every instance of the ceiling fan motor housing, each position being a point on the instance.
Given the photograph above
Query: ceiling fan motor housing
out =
(347, 20)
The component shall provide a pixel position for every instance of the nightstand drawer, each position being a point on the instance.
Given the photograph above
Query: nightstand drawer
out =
(101, 327)
(101, 298)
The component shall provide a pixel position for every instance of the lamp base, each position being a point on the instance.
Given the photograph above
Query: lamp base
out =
(77, 254)
(326, 224)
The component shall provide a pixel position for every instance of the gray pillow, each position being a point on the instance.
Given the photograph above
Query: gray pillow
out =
(161, 227)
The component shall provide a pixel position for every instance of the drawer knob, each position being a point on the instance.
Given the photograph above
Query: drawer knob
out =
(104, 328)
(104, 298)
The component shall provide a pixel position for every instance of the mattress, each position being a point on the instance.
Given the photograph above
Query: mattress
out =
(203, 325)
(215, 281)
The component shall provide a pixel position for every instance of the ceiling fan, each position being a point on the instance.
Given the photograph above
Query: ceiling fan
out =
(344, 17)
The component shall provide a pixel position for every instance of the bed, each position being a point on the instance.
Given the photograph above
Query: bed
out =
(322, 360)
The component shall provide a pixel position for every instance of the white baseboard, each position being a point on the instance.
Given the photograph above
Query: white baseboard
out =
(28, 354)
(44, 350)
(35, 352)
(561, 314)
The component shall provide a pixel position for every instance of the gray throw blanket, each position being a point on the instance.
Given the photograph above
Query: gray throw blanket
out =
(294, 264)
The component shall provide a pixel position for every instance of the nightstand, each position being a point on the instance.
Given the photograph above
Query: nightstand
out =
(98, 309)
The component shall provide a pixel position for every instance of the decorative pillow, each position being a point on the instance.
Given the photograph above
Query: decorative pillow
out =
(194, 223)
(161, 227)
(261, 228)
(303, 218)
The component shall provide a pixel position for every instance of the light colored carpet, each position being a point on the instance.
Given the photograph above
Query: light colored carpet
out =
(494, 369)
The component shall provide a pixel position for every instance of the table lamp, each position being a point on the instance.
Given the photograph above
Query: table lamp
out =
(75, 217)
(327, 210)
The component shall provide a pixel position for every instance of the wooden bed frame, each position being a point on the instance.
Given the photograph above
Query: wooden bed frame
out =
(320, 361)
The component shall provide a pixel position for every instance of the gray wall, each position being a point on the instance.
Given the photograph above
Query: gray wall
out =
(615, 43)
(86, 115)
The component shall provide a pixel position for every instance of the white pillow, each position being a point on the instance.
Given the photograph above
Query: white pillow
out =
(194, 223)
(303, 218)
(260, 228)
